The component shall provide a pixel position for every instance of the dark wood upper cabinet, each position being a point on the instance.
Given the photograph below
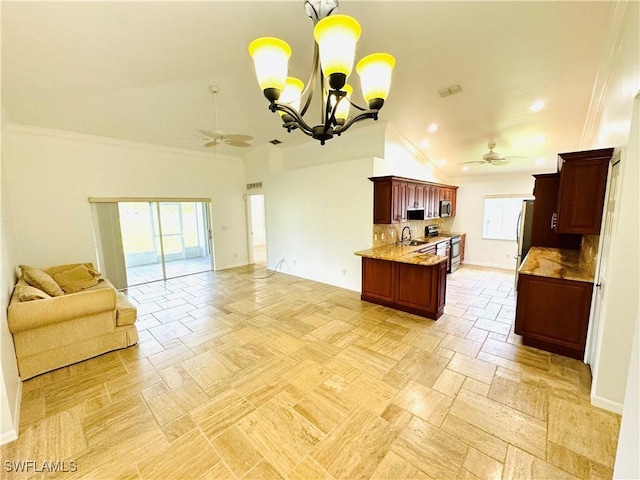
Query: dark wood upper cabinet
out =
(545, 205)
(583, 180)
(393, 196)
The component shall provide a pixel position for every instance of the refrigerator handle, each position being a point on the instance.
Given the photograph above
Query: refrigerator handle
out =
(518, 227)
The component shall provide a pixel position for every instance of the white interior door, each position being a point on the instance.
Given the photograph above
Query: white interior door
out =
(600, 286)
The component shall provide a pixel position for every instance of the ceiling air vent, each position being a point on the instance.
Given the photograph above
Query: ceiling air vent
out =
(253, 186)
(452, 90)
(275, 141)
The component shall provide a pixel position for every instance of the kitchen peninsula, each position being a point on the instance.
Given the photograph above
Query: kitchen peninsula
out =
(405, 277)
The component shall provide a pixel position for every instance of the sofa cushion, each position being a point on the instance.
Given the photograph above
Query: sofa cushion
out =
(41, 280)
(126, 312)
(27, 293)
(77, 278)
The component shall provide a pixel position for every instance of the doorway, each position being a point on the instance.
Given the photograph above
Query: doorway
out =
(140, 241)
(257, 230)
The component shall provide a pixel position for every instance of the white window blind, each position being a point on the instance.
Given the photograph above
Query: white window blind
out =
(501, 216)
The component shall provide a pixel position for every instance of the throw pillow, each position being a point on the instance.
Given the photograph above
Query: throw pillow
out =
(76, 279)
(27, 293)
(41, 280)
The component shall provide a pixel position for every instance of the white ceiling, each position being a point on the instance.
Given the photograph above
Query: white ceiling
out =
(141, 71)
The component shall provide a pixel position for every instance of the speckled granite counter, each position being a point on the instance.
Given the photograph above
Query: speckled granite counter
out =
(403, 254)
(556, 263)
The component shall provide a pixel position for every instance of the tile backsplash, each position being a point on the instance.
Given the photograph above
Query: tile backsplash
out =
(384, 234)
(589, 252)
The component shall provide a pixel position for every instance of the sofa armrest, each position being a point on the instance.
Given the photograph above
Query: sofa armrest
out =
(37, 313)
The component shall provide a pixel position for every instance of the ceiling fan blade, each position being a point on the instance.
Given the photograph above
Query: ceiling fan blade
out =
(207, 133)
(516, 158)
(212, 144)
(477, 162)
(239, 137)
(236, 143)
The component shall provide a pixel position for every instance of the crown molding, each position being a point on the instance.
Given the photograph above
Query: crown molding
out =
(22, 130)
(610, 50)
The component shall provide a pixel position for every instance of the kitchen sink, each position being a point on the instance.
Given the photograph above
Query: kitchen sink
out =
(415, 242)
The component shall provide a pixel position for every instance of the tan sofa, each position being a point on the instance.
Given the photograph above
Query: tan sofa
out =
(55, 332)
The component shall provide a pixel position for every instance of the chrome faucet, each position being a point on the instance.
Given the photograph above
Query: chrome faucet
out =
(402, 235)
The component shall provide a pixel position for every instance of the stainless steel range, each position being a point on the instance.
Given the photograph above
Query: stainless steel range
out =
(455, 253)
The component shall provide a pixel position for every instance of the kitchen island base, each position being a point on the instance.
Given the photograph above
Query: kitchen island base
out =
(412, 288)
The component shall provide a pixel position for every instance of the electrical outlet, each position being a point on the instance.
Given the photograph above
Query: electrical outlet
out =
(235, 255)
(294, 261)
(344, 271)
(375, 237)
(382, 236)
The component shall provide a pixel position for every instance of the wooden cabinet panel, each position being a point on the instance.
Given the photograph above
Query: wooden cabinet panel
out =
(411, 288)
(392, 196)
(545, 205)
(583, 180)
(463, 239)
(553, 314)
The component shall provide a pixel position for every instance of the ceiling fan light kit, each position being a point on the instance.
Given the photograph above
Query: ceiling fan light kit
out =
(493, 158)
(334, 52)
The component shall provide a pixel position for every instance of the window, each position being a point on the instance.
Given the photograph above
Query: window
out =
(501, 216)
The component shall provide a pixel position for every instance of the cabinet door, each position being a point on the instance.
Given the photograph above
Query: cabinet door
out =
(552, 314)
(399, 201)
(545, 204)
(417, 286)
(463, 240)
(377, 278)
(583, 181)
(453, 200)
(383, 202)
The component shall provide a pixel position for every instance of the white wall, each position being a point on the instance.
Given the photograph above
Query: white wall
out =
(10, 385)
(469, 216)
(51, 174)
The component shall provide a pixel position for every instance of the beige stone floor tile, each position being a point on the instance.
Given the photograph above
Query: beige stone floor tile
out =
(324, 408)
(370, 393)
(493, 326)
(154, 390)
(425, 341)
(207, 368)
(499, 361)
(178, 427)
(578, 465)
(172, 356)
(284, 344)
(175, 376)
(318, 351)
(585, 430)
(449, 382)
(366, 360)
(461, 345)
(236, 357)
(524, 355)
(336, 382)
(472, 367)
(282, 435)
(475, 437)
(214, 417)
(397, 417)
(390, 347)
(476, 334)
(307, 375)
(455, 326)
(525, 398)
(424, 402)
(509, 374)
(332, 330)
(394, 467)
(190, 455)
(219, 471)
(475, 386)
(309, 469)
(520, 465)
(514, 427)
(263, 471)
(430, 449)
(177, 402)
(355, 447)
(553, 382)
(237, 451)
(482, 466)
(421, 366)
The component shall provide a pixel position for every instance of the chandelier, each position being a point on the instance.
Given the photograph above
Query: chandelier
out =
(334, 51)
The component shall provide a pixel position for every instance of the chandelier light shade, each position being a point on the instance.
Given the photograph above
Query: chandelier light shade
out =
(271, 60)
(375, 77)
(334, 53)
(336, 36)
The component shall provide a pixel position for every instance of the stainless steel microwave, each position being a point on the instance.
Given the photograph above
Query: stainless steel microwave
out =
(445, 208)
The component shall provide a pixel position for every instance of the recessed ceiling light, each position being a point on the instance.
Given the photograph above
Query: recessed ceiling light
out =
(464, 169)
(425, 143)
(433, 128)
(541, 160)
(540, 138)
(537, 106)
(441, 161)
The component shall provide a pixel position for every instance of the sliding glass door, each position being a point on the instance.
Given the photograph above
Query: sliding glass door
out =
(147, 241)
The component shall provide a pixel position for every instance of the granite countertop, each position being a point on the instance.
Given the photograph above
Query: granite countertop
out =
(403, 254)
(556, 263)
(453, 234)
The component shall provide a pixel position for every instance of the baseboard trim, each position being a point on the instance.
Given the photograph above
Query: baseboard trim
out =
(489, 265)
(12, 434)
(606, 404)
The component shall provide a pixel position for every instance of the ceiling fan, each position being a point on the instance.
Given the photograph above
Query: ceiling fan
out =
(217, 136)
(493, 158)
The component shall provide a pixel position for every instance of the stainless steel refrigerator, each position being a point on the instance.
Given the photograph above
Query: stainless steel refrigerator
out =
(523, 233)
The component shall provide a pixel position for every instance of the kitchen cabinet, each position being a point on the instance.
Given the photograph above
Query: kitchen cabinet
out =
(463, 239)
(545, 192)
(583, 179)
(409, 287)
(552, 314)
(393, 196)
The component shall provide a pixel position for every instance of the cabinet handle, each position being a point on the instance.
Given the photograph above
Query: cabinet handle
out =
(554, 220)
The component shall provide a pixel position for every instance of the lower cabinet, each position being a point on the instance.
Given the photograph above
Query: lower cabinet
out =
(408, 287)
(552, 314)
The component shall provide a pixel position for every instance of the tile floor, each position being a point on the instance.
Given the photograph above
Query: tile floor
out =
(175, 268)
(240, 378)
